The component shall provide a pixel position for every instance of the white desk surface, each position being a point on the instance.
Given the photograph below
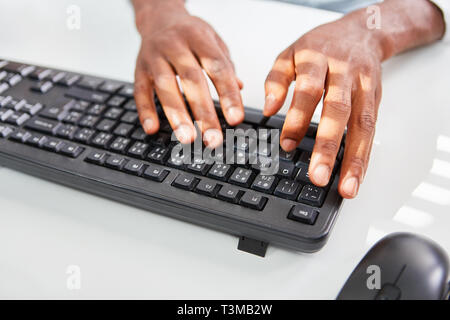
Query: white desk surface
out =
(124, 252)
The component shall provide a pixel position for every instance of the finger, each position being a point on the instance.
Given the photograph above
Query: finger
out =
(278, 81)
(311, 69)
(169, 94)
(196, 90)
(361, 131)
(145, 103)
(335, 115)
(224, 48)
(221, 73)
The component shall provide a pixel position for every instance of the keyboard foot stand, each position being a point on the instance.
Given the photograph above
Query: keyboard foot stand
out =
(253, 246)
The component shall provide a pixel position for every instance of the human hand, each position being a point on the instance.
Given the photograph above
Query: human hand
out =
(176, 43)
(342, 61)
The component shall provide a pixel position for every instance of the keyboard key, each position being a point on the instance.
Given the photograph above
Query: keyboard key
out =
(20, 135)
(66, 131)
(110, 87)
(176, 160)
(53, 144)
(305, 158)
(37, 140)
(32, 109)
(3, 87)
(5, 131)
(288, 156)
(43, 125)
(120, 144)
(87, 95)
(185, 181)
(5, 114)
(253, 200)
(138, 150)
(274, 122)
(230, 194)
(302, 174)
(286, 170)
(73, 117)
(80, 105)
(65, 79)
(42, 87)
(198, 168)
(134, 167)
(312, 195)
(96, 109)
(159, 154)
(41, 74)
(130, 105)
(20, 68)
(116, 101)
(90, 83)
(84, 135)
(115, 162)
(242, 177)
(220, 171)
(160, 139)
(55, 113)
(207, 187)
(71, 150)
(88, 121)
(97, 157)
(130, 117)
(155, 173)
(102, 140)
(123, 129)
(264, 183)
(18, 118)
(287, 189)
(303, 214)
(106, 125)
(113, 113)
(139, 134)
(127, 91)
(13, 79)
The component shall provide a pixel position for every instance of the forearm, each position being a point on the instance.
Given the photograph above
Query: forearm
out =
(404, 24)
(145, 9)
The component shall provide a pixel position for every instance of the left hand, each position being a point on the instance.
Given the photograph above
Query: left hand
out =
(341, 60)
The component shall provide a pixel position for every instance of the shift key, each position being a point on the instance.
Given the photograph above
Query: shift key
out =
(42, 125)
(87, 95)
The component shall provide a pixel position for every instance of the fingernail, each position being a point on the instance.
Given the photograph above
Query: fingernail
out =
(235, 114)
(321, 174)
(288, 144)
(148, 125)
(213, 138)
(350, 186)
(184, 134)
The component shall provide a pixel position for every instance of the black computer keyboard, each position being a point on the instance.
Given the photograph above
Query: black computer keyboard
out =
(83, 131)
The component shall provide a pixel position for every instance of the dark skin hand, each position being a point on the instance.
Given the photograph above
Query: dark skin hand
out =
(176, 43)
(339, 61)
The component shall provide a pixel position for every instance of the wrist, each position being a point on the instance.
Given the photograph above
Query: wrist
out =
(146, 10)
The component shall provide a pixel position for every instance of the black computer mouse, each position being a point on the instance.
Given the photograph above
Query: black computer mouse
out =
(401, 266)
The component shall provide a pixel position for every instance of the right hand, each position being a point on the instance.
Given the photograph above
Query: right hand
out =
(176, 43)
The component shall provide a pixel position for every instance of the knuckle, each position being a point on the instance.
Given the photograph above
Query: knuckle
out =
(328, 146)
(311, 89)
(339, 108)
(219, 68)
(366, 122)
(192, 74)
(356, 163)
